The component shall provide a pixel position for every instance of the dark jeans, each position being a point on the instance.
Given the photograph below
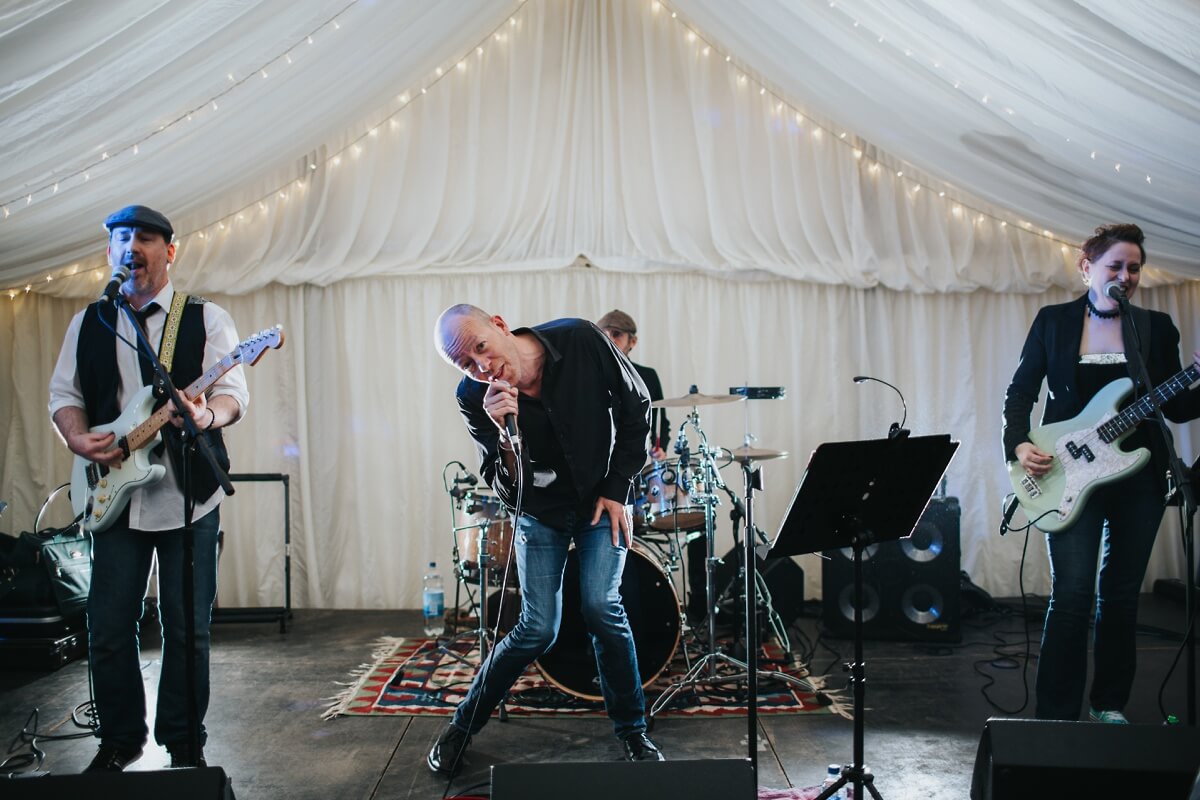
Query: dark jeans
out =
(541, 559)
(1124, 518)
(120, 574)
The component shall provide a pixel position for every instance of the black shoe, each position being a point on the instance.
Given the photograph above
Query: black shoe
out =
(446, 757)
(179, 757)
(114, 757)
(638, 747)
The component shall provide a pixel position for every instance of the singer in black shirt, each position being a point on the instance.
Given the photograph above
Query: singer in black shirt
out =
(582, 416)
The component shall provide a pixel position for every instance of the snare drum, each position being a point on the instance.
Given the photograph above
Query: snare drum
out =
(482, 512)
(662, 503)
(653, 611)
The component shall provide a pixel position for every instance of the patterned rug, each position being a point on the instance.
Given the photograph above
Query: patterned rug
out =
(414, 677)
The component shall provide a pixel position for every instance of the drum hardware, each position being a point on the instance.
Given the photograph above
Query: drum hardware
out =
(706, 669)
(484, 513)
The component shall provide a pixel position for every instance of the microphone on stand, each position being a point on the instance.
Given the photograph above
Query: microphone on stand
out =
(120, 274)
(897, 429)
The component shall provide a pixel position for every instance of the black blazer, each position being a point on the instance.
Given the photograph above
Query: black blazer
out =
(1051, 352)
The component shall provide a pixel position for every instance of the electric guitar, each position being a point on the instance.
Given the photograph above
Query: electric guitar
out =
(1086, 452)
(99, 493)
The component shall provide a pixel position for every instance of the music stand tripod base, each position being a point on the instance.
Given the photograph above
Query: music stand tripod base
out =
(854, 494)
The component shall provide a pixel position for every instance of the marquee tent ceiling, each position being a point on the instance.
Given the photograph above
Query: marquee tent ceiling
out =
(605, 128)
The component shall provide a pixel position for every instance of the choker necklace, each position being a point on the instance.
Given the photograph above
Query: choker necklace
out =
(1095, 312)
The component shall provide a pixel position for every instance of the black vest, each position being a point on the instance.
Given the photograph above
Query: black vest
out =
(99, 380)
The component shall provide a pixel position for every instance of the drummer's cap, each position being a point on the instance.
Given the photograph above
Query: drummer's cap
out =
(617, 320)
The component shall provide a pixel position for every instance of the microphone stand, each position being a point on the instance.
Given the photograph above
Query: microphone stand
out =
(192, 441)
(1182, 477)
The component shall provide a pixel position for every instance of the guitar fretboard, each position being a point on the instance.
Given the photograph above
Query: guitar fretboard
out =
(1143, 408)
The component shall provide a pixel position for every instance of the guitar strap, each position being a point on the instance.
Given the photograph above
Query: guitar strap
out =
(166, 348)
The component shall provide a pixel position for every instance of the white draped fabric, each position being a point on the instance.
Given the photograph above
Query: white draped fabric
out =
(775, 195)
(604, 128)
(359, 409)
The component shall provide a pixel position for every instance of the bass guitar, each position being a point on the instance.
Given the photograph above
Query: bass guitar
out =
(1086, 452)
(99, 493)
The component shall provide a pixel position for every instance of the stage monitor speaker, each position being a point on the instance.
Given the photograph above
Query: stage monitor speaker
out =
(1030, 759)
(724, 778)
(910, 586)
(203, 783)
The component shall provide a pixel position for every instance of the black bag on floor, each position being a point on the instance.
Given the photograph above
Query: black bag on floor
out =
(51, 567)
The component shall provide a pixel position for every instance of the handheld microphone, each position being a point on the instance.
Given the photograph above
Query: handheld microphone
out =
(1009, 510)
(120, 274)
(1114, 292)
(897, 429)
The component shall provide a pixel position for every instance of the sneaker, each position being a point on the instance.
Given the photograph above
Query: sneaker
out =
(114, 757)
(1112, 717)
(638, 747)
(179, 757)
(446, 756)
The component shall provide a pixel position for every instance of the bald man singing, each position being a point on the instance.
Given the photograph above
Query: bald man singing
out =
(582, 417)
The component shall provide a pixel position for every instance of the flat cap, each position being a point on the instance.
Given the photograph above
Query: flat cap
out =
(619, 320)
(140, 217)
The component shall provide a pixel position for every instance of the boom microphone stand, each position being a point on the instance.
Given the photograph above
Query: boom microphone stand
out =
(193, 440)
(1179, 473)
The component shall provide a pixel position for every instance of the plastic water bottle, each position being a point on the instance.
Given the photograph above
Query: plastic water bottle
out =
(434, 602)
(832, 773)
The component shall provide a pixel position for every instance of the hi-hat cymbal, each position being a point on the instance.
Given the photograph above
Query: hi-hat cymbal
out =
(697, 399)
(745, 453)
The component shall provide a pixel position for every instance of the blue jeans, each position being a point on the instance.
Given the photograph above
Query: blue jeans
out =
(120, 574)
(1124, 518)
(541, 559)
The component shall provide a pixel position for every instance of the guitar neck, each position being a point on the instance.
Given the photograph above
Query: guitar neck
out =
(1143, 408)
(145, 432)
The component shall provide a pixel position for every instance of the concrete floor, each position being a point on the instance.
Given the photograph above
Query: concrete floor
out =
(926, 710)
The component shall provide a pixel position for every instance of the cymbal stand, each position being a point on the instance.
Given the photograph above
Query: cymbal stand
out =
(705, 669)
(483, 634)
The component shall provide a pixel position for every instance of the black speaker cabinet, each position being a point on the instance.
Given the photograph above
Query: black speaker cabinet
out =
(204, 783)
(724, 778)
(1030, 759)
(910, 586)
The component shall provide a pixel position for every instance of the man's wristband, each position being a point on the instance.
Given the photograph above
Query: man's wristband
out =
(212, 420)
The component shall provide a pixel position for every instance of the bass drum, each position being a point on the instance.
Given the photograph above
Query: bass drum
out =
(653, 611)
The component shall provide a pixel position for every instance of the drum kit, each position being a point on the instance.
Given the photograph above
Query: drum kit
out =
(675, 503)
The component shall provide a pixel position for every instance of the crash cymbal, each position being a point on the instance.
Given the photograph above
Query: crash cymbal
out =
(697, 399)
(744, 453)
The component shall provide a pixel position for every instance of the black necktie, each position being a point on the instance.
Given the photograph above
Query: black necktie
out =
(144, 362)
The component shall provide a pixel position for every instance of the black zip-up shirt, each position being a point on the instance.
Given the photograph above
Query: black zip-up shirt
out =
(584, 438)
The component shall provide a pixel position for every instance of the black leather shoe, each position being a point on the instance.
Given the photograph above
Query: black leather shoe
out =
(446, 757)
(179, 758)
(114, 757)
(638, 747)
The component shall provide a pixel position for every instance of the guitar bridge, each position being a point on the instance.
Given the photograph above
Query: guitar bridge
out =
(1030, 486)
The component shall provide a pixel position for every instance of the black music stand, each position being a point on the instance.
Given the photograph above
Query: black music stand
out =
(854, 494)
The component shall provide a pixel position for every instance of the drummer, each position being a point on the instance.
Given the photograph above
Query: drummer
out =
(621, 328)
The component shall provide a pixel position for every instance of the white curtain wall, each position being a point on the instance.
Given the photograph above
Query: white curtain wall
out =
(358, 409)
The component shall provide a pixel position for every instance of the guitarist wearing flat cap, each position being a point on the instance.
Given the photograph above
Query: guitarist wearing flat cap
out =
(96, 378)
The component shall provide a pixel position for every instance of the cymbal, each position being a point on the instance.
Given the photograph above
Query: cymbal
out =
(697, 399)
(745, 453)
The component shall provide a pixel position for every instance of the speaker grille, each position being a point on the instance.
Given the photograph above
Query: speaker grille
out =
(910, 586)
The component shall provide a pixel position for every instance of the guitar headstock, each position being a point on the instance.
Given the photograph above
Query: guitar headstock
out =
(252, 348)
